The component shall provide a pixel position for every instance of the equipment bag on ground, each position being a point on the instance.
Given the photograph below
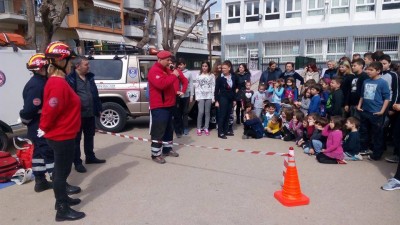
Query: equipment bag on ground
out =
(8, 166)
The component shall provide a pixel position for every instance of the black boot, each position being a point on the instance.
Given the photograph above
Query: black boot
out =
(41, 184)
(72, 189)
(64, 212)
(71, 202)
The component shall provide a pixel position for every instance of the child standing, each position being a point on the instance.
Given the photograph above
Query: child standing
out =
(273, 129)
(351, 143)
(258, 100)
(290, 91)
(375, 98)
(277, 90)
(305, 101)
(252, 124)
(335, 102)
(326, 91)
(204, 86)
(333, 154)
(315, 100)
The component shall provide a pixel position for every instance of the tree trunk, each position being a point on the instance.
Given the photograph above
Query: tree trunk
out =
(146, 33)
(31, 34)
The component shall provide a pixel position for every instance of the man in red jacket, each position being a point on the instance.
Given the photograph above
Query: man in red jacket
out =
(162, 102)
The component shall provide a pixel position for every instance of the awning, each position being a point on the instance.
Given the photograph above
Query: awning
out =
(90, 35)
(106, 5)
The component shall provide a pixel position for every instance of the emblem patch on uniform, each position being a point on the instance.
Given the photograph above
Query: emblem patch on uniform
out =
(37, 101)
(133, 96)
(53, 102)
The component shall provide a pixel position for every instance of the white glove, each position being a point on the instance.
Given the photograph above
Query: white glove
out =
(40, 133)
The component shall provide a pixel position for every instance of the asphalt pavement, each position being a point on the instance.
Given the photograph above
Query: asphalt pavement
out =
(210, 186)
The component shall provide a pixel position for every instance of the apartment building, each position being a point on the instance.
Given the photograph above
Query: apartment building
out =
(214, 33)
(280, 30)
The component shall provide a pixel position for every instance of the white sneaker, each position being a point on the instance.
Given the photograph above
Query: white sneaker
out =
(392, 159)
(392, 184)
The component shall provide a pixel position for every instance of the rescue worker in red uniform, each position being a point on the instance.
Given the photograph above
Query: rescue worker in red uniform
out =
(59, 124)
(162, 103)
(43, 157)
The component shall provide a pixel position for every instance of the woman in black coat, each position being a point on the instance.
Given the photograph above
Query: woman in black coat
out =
(242, 76)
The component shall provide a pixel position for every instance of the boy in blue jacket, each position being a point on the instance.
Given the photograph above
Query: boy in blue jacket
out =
(315, 99)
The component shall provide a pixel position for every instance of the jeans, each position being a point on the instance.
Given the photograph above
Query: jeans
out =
(204, 106)
(181, 114)
(161, 130)
(372, 125)
(63, 157)
(316, 145)
(88, 126)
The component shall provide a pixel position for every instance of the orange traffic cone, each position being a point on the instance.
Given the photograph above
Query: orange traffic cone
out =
(291, 195)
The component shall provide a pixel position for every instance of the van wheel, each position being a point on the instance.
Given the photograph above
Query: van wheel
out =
(113, 118)
(3, 141)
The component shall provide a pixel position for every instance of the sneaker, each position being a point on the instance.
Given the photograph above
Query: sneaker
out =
(357, 157)
(171, 153)
(392, 184)
(373, 158)
(341, 161)
(222, 136)
(229, 134)
(206, 132)
(198, 132)
(366, 152)
(186, 131)
(159, 159)
(392, 159)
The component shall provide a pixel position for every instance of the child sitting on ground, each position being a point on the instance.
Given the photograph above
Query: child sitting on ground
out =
(351, 143)
(273, 129)
(333, 154)
(252, 124)
(286, 117)
(308, 128)
(269, 112)
(295, 130)
(317, 141)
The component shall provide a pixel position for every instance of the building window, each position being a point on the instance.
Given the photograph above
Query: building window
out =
(336, 48)
(285, 51)
(186, 18)
(388, 44)
(234, 13)
(237, 51)
(272, 10)
(293, 8)
(365, 5)
(314, 49)
(339, 6)
(252, 11)
(316, 7)
(391, 4)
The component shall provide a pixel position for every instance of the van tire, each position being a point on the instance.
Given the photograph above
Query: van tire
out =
(113, 118)
(3, 141)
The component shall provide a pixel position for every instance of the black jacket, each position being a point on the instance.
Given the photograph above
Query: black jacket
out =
(71, 79)
(223, 90)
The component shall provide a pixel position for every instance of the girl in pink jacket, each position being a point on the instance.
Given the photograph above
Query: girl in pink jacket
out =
(333, 154)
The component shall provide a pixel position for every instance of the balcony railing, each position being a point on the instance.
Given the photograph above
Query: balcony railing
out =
(17, 7)
(137, 4)
(182, 24)
(189, 4)
(194, 45)
(107, 21)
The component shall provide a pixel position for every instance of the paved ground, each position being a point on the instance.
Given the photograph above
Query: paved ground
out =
(210, 187)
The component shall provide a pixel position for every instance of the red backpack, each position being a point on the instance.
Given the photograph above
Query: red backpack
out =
(8, 166)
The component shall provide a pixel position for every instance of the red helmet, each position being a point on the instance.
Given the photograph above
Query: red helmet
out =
(59, 50)
(37, 62)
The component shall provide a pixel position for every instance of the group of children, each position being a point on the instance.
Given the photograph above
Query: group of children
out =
(326, 118)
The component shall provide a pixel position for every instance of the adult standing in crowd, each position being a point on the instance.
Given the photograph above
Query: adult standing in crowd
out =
(331, 72)
(43, 157)
(184, 99)
(310, 72)
(217, 69)
(225, 99)
(180, 85)
(59, 124)
(82, 82)
(162, 102)
(272, 73)
(242, 76)
(290, 72)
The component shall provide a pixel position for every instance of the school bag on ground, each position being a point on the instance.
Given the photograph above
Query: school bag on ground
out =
(8, 166)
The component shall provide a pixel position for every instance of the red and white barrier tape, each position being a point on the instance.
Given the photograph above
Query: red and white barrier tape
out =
(196, 146)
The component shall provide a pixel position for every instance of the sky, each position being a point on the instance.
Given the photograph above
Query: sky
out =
(216, 7)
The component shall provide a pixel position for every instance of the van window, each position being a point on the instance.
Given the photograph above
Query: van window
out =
(145, 66)
(106, 69)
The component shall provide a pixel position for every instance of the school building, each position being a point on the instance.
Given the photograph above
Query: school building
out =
(256, 32)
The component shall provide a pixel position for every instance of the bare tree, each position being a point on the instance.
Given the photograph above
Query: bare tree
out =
(150, 17)
(31, 34)
(168, 13)
(52, 15)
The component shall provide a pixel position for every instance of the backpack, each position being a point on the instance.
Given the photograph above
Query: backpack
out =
(24, 153)
(8, 166)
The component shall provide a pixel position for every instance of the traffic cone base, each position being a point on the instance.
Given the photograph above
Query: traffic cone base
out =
(302, 200)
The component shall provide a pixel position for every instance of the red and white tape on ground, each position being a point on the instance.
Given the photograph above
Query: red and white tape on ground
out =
(197, 146)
